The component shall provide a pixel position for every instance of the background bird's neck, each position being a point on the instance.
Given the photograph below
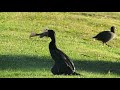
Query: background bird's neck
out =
(112, 30)
(52, 44)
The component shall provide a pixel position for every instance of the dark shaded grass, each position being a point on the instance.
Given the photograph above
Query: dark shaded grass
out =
(23, 62)
(27, 63)
(98, 66)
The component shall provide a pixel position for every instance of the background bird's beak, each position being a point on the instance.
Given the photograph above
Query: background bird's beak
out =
(43, 34)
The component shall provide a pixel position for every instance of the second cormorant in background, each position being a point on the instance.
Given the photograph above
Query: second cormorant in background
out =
(106, 36)
(63, 64)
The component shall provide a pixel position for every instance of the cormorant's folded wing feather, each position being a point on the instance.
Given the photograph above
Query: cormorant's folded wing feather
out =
(59, 55)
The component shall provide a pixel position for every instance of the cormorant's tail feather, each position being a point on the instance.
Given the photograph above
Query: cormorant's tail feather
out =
(75, 73)
(94, 37)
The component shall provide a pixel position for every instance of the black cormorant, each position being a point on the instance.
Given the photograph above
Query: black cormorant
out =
(63, 64)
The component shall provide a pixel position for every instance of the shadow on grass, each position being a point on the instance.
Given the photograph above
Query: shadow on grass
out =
(29, 63)
(98, 66)
(23, 62)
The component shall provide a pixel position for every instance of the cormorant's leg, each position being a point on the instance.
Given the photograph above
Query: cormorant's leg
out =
(104, 43)
(107, 45)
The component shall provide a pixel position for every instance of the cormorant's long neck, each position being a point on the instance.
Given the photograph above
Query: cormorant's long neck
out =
(52, 44)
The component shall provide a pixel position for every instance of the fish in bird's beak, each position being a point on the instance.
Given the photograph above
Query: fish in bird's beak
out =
(32, 34)
(45, 33)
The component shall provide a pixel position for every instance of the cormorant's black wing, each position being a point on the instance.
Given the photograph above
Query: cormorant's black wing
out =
(59, 55)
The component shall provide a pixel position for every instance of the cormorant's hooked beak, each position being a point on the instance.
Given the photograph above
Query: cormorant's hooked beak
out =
(44, 34)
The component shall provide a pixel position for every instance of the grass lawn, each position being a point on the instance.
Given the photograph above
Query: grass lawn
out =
(22, 57)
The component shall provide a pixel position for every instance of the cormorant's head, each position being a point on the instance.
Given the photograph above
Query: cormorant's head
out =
(113, 29)
(47, 33)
